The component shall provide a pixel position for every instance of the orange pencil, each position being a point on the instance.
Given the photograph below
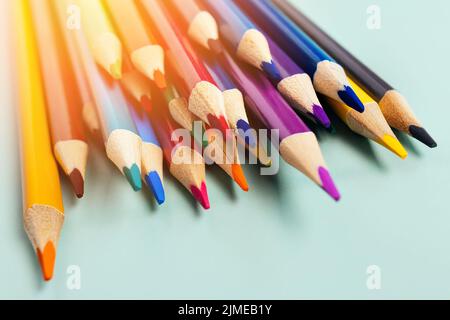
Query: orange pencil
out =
(63, 103)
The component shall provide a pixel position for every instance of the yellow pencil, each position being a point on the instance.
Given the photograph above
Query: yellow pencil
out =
(105, 45)
(141, 45)
(43, 212)
(370, 123)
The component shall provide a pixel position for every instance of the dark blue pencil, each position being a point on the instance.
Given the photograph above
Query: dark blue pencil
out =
(328, 76)
(241, 35)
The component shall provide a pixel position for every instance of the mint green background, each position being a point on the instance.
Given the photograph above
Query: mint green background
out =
(285, 239)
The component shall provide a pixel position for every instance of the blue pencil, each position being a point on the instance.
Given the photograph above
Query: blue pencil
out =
(239, 33)
(152, 155)
(328, 76)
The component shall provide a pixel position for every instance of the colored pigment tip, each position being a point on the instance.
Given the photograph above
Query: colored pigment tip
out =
(160, 79)
(422, 135)
(239, 176)
(133, 176)
(201, 195)
(394, 145)
(215, 46)
(116, 70)
(47, 260)
(272, 71)
(328, 184)
(154, 182)
(146, 103)
(219, 123)
(246, 133)
(349, 97)
(77, 181)
(321, 117)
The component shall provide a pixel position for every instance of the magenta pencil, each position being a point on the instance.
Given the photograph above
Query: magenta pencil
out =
(296, 86)
(298, 144)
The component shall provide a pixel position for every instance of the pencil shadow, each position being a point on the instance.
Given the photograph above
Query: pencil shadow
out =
(359, 143)
(221, 178)
(196, 207)
(149, 199)
(408, 143)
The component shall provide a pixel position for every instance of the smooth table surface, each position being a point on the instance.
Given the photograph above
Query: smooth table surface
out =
(285, 239)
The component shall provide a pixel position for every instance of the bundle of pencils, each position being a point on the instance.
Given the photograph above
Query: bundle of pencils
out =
(185, 84)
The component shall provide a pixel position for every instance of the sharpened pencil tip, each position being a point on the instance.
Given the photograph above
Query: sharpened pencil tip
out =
(116, 70)
(349, 97)
(394, 145)
(423, 136)
(146, 103)
(239, 176)
(215, 46)
(77, 181)
(160, 79)
(272, 71)
(321, 116)
(246, 133)
(201, 195)
(47, 260)
(133, 176)
(153, 180)
(328, 184)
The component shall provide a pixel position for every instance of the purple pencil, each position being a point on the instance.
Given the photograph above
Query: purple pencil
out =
(298, 144)
(296, 86)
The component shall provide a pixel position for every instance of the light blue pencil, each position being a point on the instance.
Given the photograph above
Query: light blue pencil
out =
(152, 155)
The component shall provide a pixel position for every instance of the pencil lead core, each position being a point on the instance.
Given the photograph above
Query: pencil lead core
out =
(328, 184)
(423, 136)
(239, 176)
(201, 195)
(321, 116)
(154, 182)
(77, 181)
(246, 131)
(349, 97)
(160, 79)
(394, 145)
(47, 260)
(272, 71)
(133, 176)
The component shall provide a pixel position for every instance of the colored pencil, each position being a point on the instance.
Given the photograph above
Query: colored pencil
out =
(205, 99)
(297, 88)
(152, 155)
(136, 85)
(43, 211)
(185, 162)
(370, 123)
(214, 147)
(201, 26)
(394, 106)
(239, 33)
(298, 145)
(104, 44)
(328, 77)
(123, 145)
(84, 92)
(212, 144)
(146, 54)
(63, 104)
(236, 112)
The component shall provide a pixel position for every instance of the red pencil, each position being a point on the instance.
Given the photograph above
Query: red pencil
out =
(205, 99)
